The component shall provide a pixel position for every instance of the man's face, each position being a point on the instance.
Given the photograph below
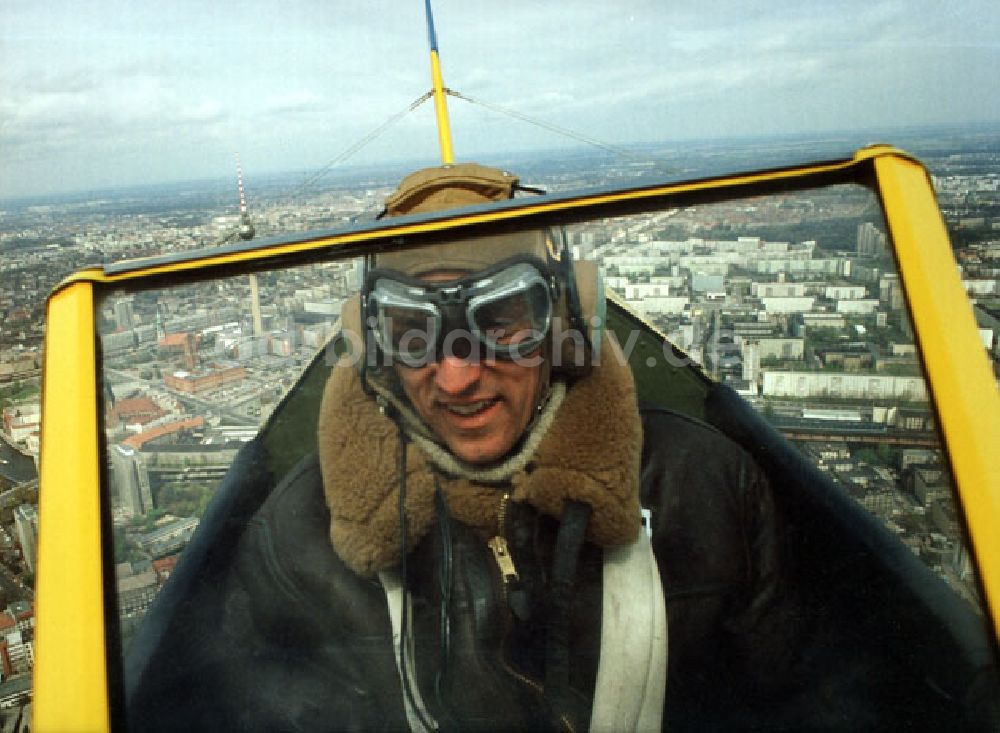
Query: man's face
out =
(478, 407)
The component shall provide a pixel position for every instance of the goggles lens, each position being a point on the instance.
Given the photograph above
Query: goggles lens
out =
(407, 332)
(504, 314)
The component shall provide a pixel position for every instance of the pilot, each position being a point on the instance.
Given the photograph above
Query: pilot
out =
(493, 524)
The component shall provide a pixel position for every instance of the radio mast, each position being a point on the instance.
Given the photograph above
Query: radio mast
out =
(246, 230)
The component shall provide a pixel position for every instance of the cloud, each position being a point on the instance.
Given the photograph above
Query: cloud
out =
(141, 87)
(295, 101)
(206, 110)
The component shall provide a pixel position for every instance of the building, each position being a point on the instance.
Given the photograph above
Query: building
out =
(918, 456)
(790, 304)
(845, 292)
(243, 348)
(850, 357)
(19, 649)
(703, 282)
(930, 485)
(163, 430)
(638, 291)
(283, 343)
(164, 567)
(989, 330)
(134, 411)
(6, 667)
(19, 364)
(670, 305)
(136, 593)
(145, 333)
(751, 361)
(863, 307)
(773, 347)
(834, 266)
(327, 306)
(20, 421)
(316, 335)
(258, 324)
(777, 290)
(119, 341)
(807, 321)
(871, 241)
(840, 385)
(130, 480)
(203, 381)
(24, 614)
(981, 287)
(890, 291)
(15, 693)
(124, 315)
(169, 538)
(26, 528)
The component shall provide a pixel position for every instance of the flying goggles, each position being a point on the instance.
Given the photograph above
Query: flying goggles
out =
(504, 312)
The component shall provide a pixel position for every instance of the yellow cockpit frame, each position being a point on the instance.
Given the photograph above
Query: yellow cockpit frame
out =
(71, 680)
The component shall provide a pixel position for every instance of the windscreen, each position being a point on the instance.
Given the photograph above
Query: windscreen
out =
(770, 415)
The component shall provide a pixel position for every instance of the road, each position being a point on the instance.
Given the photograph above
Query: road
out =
(14, 465)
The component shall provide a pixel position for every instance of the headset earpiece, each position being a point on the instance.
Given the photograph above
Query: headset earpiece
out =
(364, 327)
(584, 302)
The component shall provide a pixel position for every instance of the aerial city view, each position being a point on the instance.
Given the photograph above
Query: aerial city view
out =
(792, 299)
(135, 131)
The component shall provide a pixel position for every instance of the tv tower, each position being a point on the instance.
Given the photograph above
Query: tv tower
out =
(246, 230)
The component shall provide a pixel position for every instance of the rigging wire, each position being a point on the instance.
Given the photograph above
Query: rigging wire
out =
(233, 234)
(540, 123)
(359, 144)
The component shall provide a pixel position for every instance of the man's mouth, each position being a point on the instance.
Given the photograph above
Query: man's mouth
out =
(470, 408)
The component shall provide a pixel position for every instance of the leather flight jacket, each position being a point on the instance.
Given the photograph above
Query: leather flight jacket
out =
(304, 643)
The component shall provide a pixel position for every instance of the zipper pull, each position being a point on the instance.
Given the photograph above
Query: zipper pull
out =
(504, 561)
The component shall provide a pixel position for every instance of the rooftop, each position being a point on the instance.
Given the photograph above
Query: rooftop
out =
(140, 439)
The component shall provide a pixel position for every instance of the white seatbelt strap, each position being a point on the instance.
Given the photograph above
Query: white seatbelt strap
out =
(394, 598)
(632, 673)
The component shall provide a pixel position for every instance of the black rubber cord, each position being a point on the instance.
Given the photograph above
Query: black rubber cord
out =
(569, 542)
(445, 580)
(405, 622)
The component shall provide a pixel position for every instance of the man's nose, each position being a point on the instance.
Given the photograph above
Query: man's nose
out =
(455, 376)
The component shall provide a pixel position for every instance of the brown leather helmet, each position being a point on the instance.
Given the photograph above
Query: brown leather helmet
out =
(581, 303)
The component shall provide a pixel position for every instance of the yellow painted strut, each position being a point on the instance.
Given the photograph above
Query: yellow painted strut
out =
(440, 103)
(441, 110)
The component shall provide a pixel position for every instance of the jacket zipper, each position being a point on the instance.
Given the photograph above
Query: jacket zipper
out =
(508, 574)
(501, 551)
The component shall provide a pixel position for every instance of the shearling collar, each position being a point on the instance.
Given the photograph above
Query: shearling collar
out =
(590, 453)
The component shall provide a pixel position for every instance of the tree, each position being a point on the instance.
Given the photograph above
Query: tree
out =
(867, 455)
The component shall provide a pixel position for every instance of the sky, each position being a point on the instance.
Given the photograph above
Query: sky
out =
(110, 93)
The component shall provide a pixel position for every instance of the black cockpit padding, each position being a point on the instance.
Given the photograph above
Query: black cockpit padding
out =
(664, 375)
(875, 608)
